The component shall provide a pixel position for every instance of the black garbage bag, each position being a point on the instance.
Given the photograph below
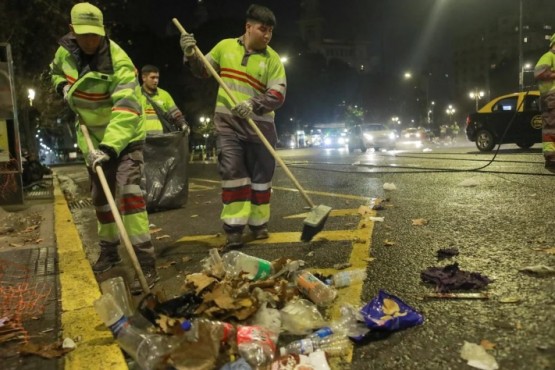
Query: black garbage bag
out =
(166, 159)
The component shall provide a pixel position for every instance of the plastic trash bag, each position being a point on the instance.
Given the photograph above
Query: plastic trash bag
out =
(389, 313)
(166, 181)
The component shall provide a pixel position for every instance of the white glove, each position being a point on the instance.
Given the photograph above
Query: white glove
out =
(185, 128)
(188, 43)
(96, 158)
(243, 109)
(65, 90)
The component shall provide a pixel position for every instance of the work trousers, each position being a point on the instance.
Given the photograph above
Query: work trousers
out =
(123, 176)
(548, 128)
(246, 169)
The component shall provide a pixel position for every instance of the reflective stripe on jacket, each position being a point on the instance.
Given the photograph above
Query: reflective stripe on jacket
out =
(166, 103)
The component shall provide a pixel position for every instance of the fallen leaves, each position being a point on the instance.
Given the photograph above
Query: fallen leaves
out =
(419, 222)
(388, 243)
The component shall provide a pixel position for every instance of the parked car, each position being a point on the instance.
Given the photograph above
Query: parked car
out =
(371, 135)
(487, 126)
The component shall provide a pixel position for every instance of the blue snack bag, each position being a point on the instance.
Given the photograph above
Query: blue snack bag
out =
(389, 313)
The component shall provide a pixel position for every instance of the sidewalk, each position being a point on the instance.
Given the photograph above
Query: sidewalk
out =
(43, 261)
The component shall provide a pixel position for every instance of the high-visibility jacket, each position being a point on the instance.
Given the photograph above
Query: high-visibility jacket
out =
(164, 100)
(258, 76)
(102, 93)
(545, 63)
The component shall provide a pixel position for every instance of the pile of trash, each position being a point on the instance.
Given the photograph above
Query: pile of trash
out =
(232, 313)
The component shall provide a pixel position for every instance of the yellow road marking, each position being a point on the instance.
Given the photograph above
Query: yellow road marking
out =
(78, 291)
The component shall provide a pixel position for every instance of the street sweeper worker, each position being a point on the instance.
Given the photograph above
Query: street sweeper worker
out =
(97, 80)
(254, 73)
(162, 115)
(544, 72)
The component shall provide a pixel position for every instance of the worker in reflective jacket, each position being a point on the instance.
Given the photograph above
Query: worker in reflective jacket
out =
(254, 73)
(97, 80)
(544, 72)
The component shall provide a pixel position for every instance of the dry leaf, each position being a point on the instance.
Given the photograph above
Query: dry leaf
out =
(193, 216)
(30, 228)
(166, 236)
(368, 259)
(200, 281)
(419, 222)
(186, 259)
(518, 325)
(487, 344)
(15, 245)
(39, 240)
(364, 210)
(156, 230)
(511, 299)
(166, 265)
(388, 243)
(545, 250)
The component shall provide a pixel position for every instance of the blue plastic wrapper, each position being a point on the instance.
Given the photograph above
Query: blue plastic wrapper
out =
(389, 313)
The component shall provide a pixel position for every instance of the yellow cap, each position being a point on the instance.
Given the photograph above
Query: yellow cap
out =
(87, 18)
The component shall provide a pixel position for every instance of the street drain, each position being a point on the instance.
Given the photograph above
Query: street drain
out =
(80, 204)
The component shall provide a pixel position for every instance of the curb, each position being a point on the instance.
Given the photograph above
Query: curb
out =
(96, 347)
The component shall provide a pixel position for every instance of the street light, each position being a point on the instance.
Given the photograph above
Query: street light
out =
(31, 96)
(476, 95)
(450, 111)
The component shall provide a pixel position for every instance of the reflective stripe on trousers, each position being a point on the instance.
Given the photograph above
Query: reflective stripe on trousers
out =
(246, 169)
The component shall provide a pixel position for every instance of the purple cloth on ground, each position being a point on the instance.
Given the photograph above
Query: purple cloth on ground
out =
(451, 278)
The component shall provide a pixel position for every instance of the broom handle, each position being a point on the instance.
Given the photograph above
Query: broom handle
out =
(117, 216)
(249, 120)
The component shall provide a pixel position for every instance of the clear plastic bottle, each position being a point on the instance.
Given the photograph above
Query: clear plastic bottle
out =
(213, 264)
(148, 350)
(256, 345)
(346, 325)
(254, 268)
(333, 345)
(348, 277)
(314, 288)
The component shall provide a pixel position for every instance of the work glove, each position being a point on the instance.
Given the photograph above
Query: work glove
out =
(65, 90)
(188, 43)
(97, 157)
(185, 128)
(243, 109)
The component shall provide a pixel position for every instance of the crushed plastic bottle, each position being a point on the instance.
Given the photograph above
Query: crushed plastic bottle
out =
(301, 317)
(213, 264)
(253, 268)
(333, 345)
(314, 288)
(348, 277)
(148, 350)
(256, 345)
(347, 325)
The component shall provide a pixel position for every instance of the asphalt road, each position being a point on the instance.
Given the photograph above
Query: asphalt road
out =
(499, 218)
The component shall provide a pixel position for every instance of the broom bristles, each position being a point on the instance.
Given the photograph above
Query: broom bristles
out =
(315, 221)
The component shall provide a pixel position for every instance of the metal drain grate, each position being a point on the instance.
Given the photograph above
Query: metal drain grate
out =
(41, 190)
(80, 204)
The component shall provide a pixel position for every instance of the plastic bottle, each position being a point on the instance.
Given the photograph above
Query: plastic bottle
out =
(348, 277)
(148, 350)
(253, 268)
(346, 325)
(314, 288)
(333, 345)
(256, 345)
(214, 264)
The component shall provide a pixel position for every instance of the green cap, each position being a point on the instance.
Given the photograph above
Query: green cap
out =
(87, 18)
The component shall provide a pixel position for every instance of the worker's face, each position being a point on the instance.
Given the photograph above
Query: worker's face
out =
(88, 42)
(258, 35)
(150, 80)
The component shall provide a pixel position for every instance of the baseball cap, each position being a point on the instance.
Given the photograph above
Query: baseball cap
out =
(87, 18)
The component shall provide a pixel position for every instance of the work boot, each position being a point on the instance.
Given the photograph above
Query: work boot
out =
(234, 240)
(151, 277)
(109, 257)
(260, 233)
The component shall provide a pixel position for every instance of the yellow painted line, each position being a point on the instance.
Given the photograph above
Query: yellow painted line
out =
(96, 347)
(333, 195)
(333, 213)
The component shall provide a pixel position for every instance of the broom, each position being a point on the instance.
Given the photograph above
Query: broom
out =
(314, 222)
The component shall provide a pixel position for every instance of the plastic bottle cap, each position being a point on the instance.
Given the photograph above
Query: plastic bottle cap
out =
(186, 325)
(282, 352)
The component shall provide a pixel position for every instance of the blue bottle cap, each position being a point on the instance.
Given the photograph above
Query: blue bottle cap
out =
(186, 325)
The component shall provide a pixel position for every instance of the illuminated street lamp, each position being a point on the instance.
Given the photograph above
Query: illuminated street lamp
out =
(476, 95)
(450, 111)
(31, 96)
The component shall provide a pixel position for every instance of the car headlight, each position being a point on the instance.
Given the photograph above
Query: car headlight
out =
(327, 141)
(341, 141)
(368, 136)
(391, 136)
